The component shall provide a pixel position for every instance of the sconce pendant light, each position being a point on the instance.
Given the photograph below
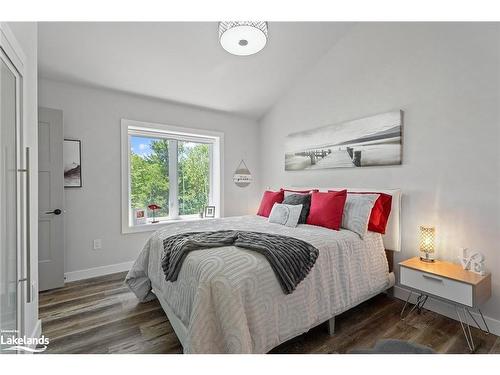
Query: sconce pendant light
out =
(243, 38)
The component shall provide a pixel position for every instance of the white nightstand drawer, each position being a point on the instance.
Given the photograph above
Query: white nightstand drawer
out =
(439, 286)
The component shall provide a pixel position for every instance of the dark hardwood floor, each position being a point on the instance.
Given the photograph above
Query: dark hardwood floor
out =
(101, 315)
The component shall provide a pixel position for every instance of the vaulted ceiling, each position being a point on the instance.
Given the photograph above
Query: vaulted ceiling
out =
(183, 61)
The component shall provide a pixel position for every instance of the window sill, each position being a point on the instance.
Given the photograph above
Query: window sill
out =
(153, 227)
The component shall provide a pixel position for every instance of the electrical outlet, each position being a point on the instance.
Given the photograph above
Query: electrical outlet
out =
(97, 244)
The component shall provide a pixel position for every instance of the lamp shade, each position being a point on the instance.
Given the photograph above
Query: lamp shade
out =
(243, 38)
(427, 239)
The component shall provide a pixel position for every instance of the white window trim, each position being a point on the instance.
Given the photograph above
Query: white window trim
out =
(216, 167)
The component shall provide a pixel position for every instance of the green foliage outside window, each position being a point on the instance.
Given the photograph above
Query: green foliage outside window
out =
(193, 177)
(150, 182)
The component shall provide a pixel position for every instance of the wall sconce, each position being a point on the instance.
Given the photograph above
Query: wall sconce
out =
(427, 243)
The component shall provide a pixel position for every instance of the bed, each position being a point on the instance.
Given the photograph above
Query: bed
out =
(228, 300)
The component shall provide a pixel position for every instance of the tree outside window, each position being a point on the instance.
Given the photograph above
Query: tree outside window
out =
(150, 179)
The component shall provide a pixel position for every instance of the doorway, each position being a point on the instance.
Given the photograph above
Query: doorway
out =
(51, 199)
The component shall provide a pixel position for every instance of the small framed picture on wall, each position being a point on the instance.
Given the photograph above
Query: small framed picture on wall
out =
(72, 157)
(210, 211)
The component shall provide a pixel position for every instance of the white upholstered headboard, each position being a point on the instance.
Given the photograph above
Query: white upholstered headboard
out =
(392, 236)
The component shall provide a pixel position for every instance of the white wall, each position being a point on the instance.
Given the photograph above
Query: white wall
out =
(446, 77)
(26, 35)
(93, 116)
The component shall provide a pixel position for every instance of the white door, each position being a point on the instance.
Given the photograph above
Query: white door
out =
(50, 199)
(11, 216)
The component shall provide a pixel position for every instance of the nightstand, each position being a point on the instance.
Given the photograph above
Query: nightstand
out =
(450, 283)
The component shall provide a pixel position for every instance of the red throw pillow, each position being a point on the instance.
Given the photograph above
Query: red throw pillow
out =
(327, 209)
(269, 198)
(380, 211)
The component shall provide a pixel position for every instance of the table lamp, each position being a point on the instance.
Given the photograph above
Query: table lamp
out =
(427, 243)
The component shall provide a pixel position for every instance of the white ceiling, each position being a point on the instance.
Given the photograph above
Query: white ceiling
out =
(183, 61)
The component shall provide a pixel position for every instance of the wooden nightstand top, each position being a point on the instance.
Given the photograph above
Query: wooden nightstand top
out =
(445, 269)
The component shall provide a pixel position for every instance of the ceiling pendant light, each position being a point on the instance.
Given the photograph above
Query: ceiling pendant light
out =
(243, 38)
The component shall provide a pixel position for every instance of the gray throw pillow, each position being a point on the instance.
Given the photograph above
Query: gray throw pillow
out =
(285, 214)
(304, 200)
(357, 210)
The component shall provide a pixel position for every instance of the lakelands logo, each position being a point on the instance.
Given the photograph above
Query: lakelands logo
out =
(10, 341)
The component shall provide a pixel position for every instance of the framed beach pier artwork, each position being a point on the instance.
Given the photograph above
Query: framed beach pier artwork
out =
(367, 142)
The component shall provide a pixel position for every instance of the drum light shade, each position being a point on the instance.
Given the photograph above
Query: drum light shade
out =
(243, 38)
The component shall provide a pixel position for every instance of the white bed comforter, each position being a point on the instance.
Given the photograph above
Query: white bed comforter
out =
(229, 299)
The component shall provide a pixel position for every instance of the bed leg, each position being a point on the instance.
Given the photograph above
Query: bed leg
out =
(331, 326)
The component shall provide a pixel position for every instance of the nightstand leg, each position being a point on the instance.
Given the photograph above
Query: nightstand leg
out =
(467, 332)
(406, 304)
(422, 303)
(484, 321)
(487, 330)
(419, 304)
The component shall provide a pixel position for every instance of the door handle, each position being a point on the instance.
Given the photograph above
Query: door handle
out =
(57, 211)
(27, 279)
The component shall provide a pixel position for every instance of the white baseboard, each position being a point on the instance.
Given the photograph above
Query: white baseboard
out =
(97, 271)
(447, 309)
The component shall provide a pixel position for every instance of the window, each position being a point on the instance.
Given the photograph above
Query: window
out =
(193, 176)
(176, 169)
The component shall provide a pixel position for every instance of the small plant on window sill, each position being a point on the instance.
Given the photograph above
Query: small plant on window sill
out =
(153, 207)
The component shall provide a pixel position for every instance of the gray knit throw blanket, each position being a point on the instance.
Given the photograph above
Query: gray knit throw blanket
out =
(291, 259)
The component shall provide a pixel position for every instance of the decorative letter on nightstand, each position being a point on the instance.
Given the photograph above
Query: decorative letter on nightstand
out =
(448, 282)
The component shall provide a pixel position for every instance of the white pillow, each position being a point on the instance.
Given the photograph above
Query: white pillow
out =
(285, 214)
(357, 210)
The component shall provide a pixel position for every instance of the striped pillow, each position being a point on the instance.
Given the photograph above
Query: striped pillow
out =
(357, 210)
